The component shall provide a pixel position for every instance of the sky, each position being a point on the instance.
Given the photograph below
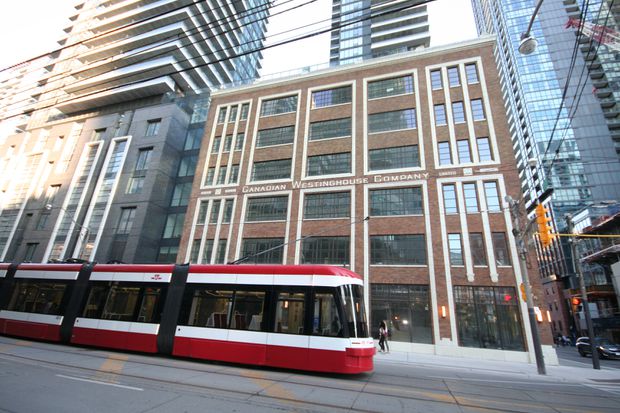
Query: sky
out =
(32, 27)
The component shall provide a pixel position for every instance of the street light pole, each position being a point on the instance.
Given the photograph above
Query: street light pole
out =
(521, 237)
(84, 230)
(596, 364)
(528, 43)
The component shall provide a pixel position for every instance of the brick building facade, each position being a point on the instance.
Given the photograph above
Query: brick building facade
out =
(396, 168)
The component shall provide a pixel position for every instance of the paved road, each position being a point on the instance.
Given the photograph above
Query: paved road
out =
(37, 377)
(570, 357)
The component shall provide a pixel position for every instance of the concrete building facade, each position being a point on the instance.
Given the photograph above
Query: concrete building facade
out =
(396, 168)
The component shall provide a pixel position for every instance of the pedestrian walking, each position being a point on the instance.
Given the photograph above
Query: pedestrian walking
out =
(382, 336)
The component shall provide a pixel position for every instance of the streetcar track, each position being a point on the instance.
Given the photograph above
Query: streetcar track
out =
(367, 387)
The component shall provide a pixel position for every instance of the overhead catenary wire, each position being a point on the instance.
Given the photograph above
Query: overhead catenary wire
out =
(220, 60)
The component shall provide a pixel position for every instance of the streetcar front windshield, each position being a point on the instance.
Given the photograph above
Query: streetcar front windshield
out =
(352, 298)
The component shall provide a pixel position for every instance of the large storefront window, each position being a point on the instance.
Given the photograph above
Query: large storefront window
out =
(488, 317)
(405, 308)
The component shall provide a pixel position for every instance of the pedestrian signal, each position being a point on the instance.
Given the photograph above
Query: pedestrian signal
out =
(544, 226)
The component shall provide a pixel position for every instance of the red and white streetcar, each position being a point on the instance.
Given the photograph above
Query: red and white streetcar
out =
(304, 317)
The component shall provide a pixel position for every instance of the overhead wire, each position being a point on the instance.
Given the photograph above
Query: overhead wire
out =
(251, 51)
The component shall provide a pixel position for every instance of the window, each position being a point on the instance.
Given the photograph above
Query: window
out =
(492, 196)
(453, 76)
(207, 251)
(144, 155)
(484, 149)
(478, 250)
(221, 116)
(215, 211)
(390, 87)
(407, 302)
(125, 221)
(327, 205)
(51, 193)
(239, 141)
(202, 212)
(290, 313)
(397, 249)
(233, 114)
(167, 254)
(216, 144)
(227, 143)
(458, 112)
(326, 314)
(464, 153)
(181, 193)
(37, 296)
(449, 199)
(275, 136)
(455, 249)
(245, 108)
(445, 157)
(331, 97)
(234, 174)
(208, 307)
(220, 257)
(193, 139)
(436, 82)
(221, 175)
(174, 226)
(98, 135)
(325, 250)
(135, 184)
(228, 208)
(31, 248)
(42, 222)
(394, 120)
(329, 164)
(335, 128)
(488, 317)
(278, 106)
(152, 127)
(187, 166)
(471, 197)
(477, 111)
(394, 158)
(472, 73)
(440, 114)
(500, 248)
(209, 177)
(270, 170)
(262, 250)
(267, 209)
(396, 201)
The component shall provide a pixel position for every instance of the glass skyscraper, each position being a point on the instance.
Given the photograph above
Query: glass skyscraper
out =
(364, 29)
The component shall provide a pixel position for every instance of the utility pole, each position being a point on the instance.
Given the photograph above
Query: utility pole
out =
(521, 237)
(596, 364)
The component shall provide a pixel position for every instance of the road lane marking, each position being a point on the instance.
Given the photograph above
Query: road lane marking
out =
(111, 368)
(99, 382)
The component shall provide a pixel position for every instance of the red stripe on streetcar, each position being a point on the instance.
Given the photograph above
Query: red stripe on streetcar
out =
(26, 329)
(351, 362)
(122, 340)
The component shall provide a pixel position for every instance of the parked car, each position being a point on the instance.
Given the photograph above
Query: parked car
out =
(606, 349)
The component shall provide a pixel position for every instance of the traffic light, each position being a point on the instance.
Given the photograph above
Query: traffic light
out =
(576, 303)
(544, 226)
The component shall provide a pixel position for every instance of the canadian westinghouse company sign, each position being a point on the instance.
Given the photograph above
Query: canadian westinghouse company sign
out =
(335, 182)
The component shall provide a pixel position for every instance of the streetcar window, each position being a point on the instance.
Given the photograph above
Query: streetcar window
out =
(326, 320)
(353, 300)
(150, 303)
(95, 302)
(113, 301)
(248, 310)
(43, 297)
(121, 303)
(209, 308)
(290, 312)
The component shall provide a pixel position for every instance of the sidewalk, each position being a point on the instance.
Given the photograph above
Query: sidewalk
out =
(562, 373)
